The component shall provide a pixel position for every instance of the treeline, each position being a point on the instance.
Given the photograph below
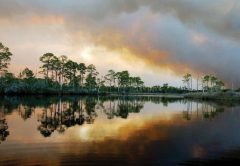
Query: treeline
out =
(60, 75)
(206, 83)
(67, 73)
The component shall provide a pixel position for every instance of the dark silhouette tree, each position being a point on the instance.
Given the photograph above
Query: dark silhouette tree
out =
(5, 57)
(47, 60)
(91, 79)
(82, 69)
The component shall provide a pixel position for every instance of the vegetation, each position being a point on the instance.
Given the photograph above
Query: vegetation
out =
(212, 89)
(5, 57)
(187, 79)
(60, 75)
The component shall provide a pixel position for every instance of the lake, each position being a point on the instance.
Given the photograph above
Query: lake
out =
(140, 130)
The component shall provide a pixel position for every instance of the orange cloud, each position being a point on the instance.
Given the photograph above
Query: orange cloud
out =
(42, 20)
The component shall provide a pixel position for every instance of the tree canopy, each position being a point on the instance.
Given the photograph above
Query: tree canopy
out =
(63, 75)
(5, 57)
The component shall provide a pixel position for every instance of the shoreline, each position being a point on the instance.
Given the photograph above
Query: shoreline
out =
(180, 96)
(226, 96)
(219, 96)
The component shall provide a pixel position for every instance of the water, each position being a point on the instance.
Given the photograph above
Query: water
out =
(117, 131)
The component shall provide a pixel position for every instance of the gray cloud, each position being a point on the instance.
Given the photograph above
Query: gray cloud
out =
(221, 16)
(202, 36)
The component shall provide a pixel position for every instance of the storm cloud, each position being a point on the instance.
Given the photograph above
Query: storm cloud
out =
(201, 37)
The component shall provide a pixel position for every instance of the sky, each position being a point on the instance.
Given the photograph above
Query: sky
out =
(159, 40)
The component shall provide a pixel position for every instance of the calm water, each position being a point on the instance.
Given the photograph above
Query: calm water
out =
(117, 131)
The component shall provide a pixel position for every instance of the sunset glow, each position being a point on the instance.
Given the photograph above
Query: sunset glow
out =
(160, 35)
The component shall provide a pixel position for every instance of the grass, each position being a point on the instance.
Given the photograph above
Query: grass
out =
(228, 96)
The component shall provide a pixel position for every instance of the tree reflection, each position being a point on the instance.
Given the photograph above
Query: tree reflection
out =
(3, 127)
(125, 107)
(208, 110)
(187, 114)
(57, 114)
(25, 112)
(65, 114)
(90, 105)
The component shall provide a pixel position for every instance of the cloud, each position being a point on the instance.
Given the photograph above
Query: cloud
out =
(183, 36)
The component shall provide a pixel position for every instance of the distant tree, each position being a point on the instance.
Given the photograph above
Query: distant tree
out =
(100, 83)
(7, 81)
(131, 82)
(139, 82)
(206, 80)
(219, 84)
(187, 80)
(5, 57)
(46, 59)
(91, 81)
(55, 65)
(91, 77)
(164, 88)
(27, 73)
(123, 79)
(70, 72)
(62, 60)
(91, 69)
(82, 69)
(111, 78)
(9, 78)
(213, 80)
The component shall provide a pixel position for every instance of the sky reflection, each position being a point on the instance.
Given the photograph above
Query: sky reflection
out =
(150, 128)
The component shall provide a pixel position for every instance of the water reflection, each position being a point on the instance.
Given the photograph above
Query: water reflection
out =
(205, 109)
(59, 114)
(83, 129)
(3, 130)
(64, 114)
